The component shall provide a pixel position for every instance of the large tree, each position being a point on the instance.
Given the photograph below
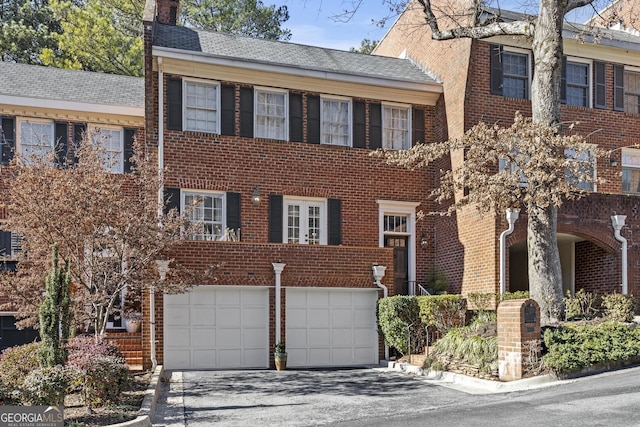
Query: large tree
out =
(26, 28)
(107, 226)
(244, 17)
(455, 19)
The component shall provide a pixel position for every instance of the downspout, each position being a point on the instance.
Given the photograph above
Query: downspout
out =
(618, 222)
(278, 267)
(378, 274)
(512, 217)
(152, 293)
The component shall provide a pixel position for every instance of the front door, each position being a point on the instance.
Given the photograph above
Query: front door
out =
(400, 263)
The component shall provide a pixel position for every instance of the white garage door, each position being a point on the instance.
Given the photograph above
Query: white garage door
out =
(331, 327)
(216, 327)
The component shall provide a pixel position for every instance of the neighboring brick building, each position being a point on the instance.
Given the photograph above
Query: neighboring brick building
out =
(489, 80)
(293, 125)
(45, 110)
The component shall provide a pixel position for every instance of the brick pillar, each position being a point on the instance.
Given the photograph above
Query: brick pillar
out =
(167, 11)
(518, 324)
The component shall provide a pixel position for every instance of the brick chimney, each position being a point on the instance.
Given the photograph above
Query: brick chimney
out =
(167, 11)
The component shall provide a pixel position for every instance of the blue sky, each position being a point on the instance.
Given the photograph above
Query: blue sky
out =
(311, 24)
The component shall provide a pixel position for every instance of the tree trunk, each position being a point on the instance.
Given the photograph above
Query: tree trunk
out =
(545, 274)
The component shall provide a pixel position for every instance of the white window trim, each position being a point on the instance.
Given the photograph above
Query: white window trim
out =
(184, 103)
(349, 115)
(91, 127)
(191, 192)
(392, 207)
(594, 161)
(18, 139)
(305, 201)
(511, 49)
(409, 118)
(631, 152)
(589, 78)
(257, 89)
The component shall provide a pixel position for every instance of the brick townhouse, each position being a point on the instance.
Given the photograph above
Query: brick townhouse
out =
(46, 110)
(488, 80)
(272, 142)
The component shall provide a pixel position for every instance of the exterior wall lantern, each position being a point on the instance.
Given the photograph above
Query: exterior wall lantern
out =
(255, 197)
(424, 243)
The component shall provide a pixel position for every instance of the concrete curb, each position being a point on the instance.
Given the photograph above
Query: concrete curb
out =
(148, 408)
(474, 385)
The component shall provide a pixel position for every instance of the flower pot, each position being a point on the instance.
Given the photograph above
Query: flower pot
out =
(281, 361)
(133, 325)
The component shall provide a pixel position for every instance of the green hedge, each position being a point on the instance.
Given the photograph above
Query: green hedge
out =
(442, 311)
(571, 348)
(395, 314)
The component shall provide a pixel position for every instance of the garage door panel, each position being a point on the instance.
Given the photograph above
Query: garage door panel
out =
(318, 317)
(178, 337)
(177, 316)
(336, 327)
(217, 327)
(203, 316)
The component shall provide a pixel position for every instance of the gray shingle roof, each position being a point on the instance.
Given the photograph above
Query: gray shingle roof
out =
(34, 81)
(287, 54)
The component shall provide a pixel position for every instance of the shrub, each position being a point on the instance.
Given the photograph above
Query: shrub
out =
(436, 281)
(395, 315)
(619, 307)
(442, 311)
(476, 344)
(105, 379)
(482, 301)
(15, 364)
(573, 347)
(582, 305)
(47, 386)
(84, 348)
(514, 295)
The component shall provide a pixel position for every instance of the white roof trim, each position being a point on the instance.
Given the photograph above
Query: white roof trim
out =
(122, 110)
(294, 70)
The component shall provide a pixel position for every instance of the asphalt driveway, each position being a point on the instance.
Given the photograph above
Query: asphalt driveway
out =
(295, 397)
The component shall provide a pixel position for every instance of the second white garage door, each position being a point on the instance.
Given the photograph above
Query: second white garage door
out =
(331, 327)
(217, 327)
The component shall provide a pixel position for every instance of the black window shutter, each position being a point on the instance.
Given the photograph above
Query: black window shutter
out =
(600, 85)
(228, 104)
(618, 87)
(417, 124)
(246, 112)
(335, 221)
(8, 139)
(5, 243)
(174, 104)
(171, 199)
(375, 126)
(233, 211)
(275, 218)
(359, 124)
(61, 143)
(295, 117)
(79, 131)
(496, 69)
(563, 80)
(129, 138)
(313, 119)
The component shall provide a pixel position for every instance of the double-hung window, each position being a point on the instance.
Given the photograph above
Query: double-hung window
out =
(336, 121)
(37, 139)
(201, 106)
(630, 170)
(271, 114)
(305, 221)
(632, 91)
(510, 71)
(586, 168)
(396, 124)
(576, 81)
(208, 210)
(110, 143)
